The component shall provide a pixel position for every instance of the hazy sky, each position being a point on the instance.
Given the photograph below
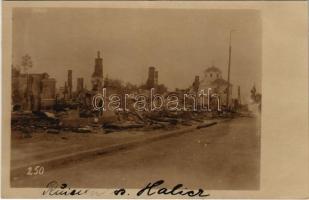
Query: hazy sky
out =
(179, 43)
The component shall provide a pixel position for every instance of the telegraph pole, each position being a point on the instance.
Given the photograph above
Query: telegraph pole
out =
(229, 71)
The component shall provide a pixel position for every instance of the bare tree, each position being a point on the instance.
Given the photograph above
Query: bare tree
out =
(26, 63)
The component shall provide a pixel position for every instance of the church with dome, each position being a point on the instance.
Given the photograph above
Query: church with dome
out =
(212, 78)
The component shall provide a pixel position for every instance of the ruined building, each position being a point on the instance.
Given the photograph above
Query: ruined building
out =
(80, 85)
(33, 91)
(196, 84)
(97, 76)
(152, 81)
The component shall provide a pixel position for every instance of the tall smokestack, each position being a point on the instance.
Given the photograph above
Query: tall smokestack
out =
(70, 83)
(239, 97)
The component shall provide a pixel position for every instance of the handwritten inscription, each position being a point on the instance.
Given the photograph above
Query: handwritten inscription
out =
(153, 188)
(55, 189)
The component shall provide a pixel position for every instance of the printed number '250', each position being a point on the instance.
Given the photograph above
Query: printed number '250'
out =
(37, 170)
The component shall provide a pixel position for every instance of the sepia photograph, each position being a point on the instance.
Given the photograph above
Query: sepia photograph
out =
(137, 95)
(150, 101)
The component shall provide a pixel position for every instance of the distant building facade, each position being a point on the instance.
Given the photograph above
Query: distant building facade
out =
(33, 91)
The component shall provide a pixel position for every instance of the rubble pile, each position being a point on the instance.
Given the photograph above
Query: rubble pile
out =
(157, 120)
(30, 121)
(70, 120)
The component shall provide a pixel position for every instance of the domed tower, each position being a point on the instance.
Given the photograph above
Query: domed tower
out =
(97, 76)
(212, 73)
